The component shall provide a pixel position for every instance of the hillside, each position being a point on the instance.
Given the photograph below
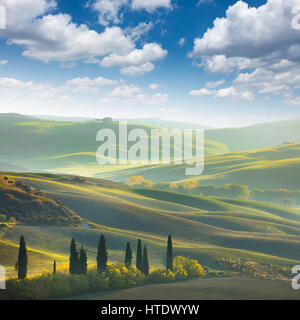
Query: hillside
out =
(22, 203)
(207, 229)
(269, 168)
(166, 124)
(70, 148)
(257, 136)
(277, 167)
(61, 146)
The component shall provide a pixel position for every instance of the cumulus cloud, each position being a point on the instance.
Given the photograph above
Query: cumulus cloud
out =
(151, 5)
(251, 32)
(201, 92)
(112, 11)
(3, 62)
(133, 94)
(239, 93)
(138, 31)
(263, 42)
(214, 84)
(54, 37)
(137, 61)
(109, 10)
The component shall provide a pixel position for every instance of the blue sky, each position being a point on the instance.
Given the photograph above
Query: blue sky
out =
(219, 63)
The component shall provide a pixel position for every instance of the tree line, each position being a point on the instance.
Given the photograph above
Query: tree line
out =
(78, 259)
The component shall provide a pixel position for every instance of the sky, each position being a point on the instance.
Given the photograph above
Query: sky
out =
(217, 63)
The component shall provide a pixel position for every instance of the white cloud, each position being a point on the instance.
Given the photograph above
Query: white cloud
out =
(46, 90)
(112, 11)
(109, 10)
(3, 62)
(154, 86)
(138, 70)
(201, 92)
(214, 84)
(134, 95)
(48, 43)
(203, 2)
(83, 85)
(294, 101)
(151, 5)
(181, 42)
(137, 61)
(230, 92)
(48, 37)
(138, 31)
(262, 41)
(251, 32)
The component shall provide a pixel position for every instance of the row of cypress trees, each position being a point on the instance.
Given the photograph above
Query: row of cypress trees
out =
(78, 265)
(78, 259)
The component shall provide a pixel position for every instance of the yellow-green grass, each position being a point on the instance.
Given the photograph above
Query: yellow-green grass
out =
(237, 288)
(277, 167)
(204, 228)
(38, 259)
(271, 168)
(53, 145)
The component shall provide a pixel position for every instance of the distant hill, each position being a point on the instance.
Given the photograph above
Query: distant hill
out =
(11, 167)
(261, 135)
(152, 122)
(268, 168)
(28, 205)
(60, 145)
(165, 124)
(60, 118)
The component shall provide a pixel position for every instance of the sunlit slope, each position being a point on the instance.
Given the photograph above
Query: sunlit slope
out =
(38, 259)
(257, 136)
(61, 146)
(277, 167)
(202, 227)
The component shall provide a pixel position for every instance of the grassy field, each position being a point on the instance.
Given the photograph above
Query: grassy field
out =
(206, 229)
(206, 289)
(270, 168)
(67, 147)
(44, 145)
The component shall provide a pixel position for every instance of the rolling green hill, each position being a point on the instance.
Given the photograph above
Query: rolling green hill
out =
(269, 168)
(257, 136)
(277, 167)
(22, 203)
(70, 148)
(60, 146)
(207, 229)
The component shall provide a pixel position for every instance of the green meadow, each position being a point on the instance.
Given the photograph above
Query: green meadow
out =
(57, 191)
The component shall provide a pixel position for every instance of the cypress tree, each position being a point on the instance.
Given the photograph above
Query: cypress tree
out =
(169, 264)
(102, 255)
(82, 261)
(22, 259)
(73, 267)
(139, 256)
(54, 267)
(145, 261)
(128, 256)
